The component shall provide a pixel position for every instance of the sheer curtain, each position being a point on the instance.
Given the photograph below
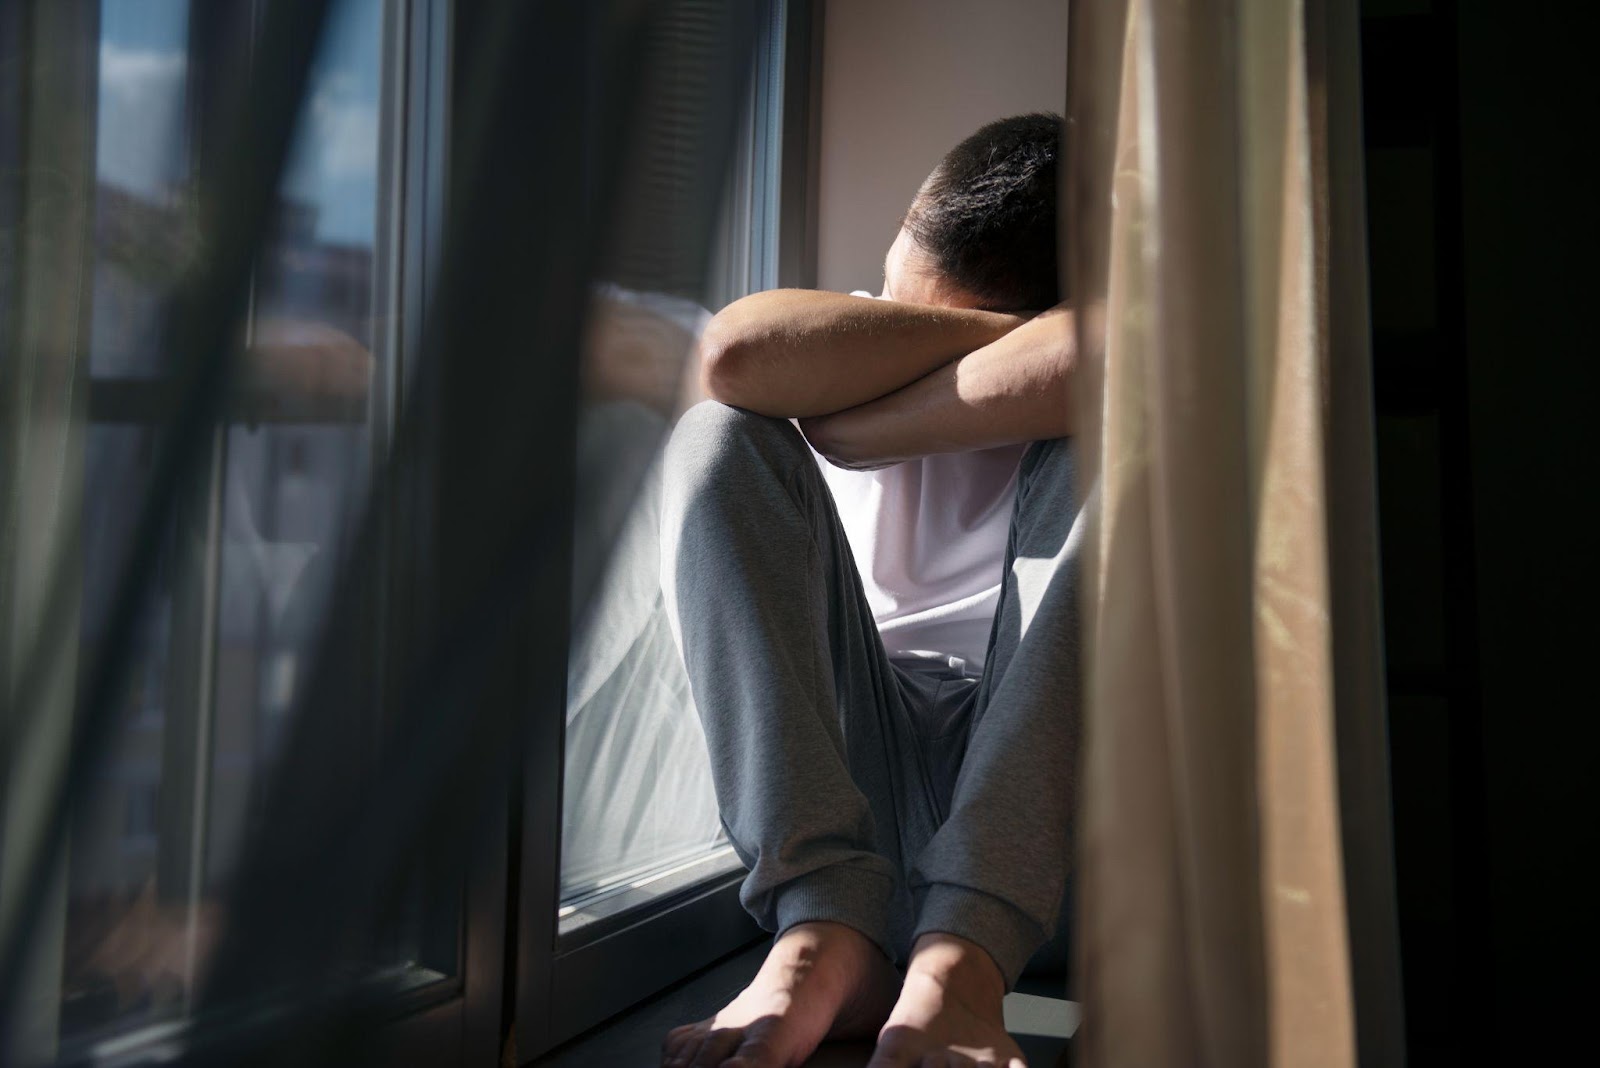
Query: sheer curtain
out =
(46, 182)
(1236, 878)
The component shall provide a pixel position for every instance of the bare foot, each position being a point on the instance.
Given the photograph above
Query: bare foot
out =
(820, 981)
(949, 1014)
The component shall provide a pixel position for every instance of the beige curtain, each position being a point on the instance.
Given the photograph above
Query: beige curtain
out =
(1236, 903)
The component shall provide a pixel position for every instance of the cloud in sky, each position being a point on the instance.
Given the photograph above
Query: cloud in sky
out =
(141, 105)
(140, 138)
(140, 143)
(130, 69)
(335, 165)
(347, 133)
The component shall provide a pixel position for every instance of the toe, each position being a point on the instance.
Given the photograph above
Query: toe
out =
(902, 1047)
(717, 1047)
(680, 1044)
(753, 1053)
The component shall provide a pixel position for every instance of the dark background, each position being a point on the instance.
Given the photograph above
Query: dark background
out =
(1482, 231)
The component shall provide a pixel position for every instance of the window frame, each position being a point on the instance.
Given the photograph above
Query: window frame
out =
(567, 984)
(457, 1020)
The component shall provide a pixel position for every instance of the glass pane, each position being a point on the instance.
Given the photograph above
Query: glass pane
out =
(125, 957)
(127, 948)
(639, 817)
(142, 226)
(299, 456)
(246, 575)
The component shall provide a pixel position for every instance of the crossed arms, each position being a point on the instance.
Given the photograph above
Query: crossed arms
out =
(874, 382)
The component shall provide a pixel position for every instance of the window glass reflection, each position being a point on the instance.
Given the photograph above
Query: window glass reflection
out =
(298, 461)
(141, 225)
(126, 954)
(639, 817)
(245, 577)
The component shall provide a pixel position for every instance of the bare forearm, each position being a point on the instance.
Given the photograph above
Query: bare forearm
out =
(1013, 390)
(794, 353)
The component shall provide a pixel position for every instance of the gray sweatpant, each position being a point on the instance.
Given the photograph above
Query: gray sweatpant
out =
(857, 789)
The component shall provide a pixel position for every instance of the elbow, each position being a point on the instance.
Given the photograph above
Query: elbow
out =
(818, 431)
(830, 436)
(733, 366)
(724, 362)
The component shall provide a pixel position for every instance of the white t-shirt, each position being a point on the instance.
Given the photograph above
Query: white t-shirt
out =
(929, 538)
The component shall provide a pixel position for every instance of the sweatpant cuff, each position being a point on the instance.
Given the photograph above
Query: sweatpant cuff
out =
(839, 893)
(998, 926)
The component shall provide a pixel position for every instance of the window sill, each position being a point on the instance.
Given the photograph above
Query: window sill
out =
(1037, 1017)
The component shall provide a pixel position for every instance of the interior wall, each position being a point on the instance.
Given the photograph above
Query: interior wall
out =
(902, 82)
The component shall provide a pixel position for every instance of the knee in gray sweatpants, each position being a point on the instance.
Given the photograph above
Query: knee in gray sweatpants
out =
(828, 788)
(786, 670)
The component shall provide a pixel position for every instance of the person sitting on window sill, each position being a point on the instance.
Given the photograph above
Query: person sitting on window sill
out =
(883, 644)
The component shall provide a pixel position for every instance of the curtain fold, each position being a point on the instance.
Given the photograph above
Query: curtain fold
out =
(1233, 696)
(46, 184)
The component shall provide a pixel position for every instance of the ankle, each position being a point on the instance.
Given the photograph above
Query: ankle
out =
(959, 966)
(815, 937)
(823, 950)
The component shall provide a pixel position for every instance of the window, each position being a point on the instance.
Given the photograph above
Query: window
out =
(243, 577)
(289, 639)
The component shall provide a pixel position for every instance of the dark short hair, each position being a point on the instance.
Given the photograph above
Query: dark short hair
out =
(987, 213)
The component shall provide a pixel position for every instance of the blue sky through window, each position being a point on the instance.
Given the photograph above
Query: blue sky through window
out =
(140, 145)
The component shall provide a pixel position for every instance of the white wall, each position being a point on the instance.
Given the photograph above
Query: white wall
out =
(902, 82)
